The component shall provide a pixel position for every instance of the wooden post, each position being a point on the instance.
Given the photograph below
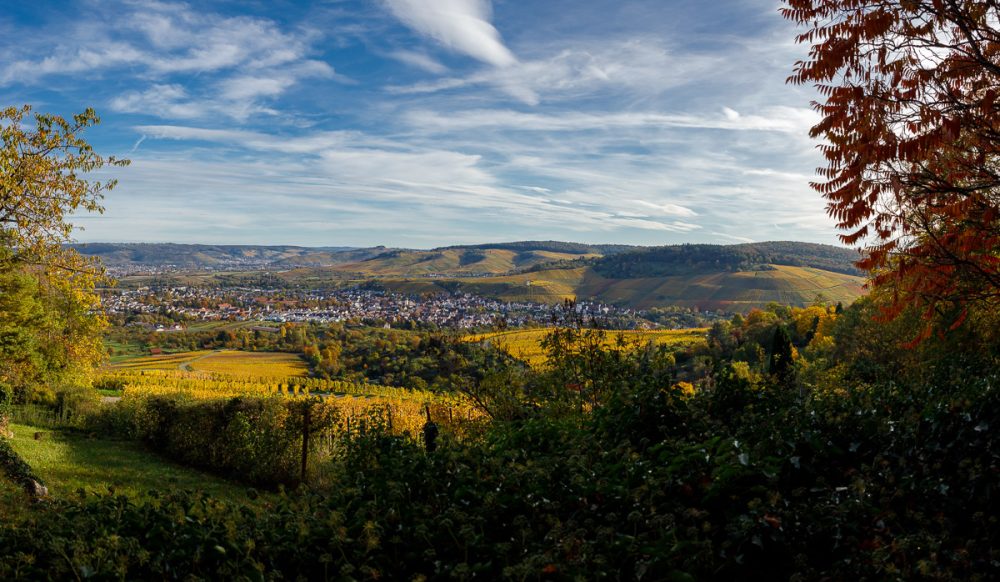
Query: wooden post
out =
(305, 439)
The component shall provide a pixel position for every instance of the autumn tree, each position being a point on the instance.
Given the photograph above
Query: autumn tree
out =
(780, 362)
(911, 127)
(49, 311)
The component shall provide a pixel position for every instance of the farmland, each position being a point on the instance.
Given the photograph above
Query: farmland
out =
(223, 362)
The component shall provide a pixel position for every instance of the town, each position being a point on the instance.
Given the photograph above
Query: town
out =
(355, 305)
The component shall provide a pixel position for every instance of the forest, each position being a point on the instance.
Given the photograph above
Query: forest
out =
(693, 259)
(823, 442)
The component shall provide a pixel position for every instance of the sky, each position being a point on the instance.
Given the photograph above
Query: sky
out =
(425, 123)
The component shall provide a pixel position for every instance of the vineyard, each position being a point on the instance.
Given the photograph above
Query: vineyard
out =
(526, 345)
(226, 362)
(351, 404)
(210, 385)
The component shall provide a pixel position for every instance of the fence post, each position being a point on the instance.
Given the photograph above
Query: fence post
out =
(305, 439)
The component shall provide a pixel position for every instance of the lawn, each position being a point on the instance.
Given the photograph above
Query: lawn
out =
(69, 461)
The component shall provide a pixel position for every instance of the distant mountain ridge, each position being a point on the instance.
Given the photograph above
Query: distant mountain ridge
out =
(552, 246)
(608, 260)
(200, 256)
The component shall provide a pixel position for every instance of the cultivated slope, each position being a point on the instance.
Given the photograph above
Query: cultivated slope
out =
(456, 261)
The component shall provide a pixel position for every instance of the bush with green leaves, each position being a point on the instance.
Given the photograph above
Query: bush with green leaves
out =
(257, 440)
(887, 483)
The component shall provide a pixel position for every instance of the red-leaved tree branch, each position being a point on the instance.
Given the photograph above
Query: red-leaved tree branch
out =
(912, 142)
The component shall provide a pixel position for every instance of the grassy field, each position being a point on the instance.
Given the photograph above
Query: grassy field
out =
(68, 461)
(526, 345)
(227, 362)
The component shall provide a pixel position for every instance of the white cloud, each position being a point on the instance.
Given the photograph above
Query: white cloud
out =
(72, 59)
(461, 25)
(198, 63)
(666, 208)
(314, 143)
(161, 100)
(633, 66)
(777, 119)
(419, 60)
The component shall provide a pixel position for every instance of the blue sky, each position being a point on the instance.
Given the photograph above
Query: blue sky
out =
(423, 123)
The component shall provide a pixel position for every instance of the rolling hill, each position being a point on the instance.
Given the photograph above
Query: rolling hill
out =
(461, 261)
(213, 257)
(706, 277)
(725, 290)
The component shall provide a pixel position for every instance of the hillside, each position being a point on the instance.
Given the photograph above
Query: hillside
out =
(457, 261)
(568, 248)
(705, 259)
(726, 290)
(707, 277)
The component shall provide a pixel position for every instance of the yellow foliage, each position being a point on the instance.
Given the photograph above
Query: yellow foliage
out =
(686, 388)
(526, 344)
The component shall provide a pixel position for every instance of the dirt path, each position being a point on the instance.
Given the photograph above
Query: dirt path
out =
(186, 366)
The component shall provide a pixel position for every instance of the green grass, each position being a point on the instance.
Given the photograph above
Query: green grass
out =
(69, 461)
(124, 351)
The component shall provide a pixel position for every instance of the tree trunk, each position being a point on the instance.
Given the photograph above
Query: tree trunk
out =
(5, 431)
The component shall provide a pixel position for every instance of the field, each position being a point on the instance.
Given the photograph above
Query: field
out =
(209, 375)
(68, 462)
(257, 364)
(526, 345)
(162, 362)
(151, 382)
(224, 362)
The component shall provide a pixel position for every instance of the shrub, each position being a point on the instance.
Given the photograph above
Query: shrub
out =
(258, 440)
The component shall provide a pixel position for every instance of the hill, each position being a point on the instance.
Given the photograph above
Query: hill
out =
(692, 259)
(705, 277)
(710, 290)
(458, 261)
(702, 276)
(569, 248)
(215, 257)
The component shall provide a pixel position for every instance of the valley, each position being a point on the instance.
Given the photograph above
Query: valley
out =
(733, 278)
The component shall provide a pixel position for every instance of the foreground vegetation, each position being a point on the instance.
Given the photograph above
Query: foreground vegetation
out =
(68, 462)
(849, 460)
(795, 443)
(529, 345)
